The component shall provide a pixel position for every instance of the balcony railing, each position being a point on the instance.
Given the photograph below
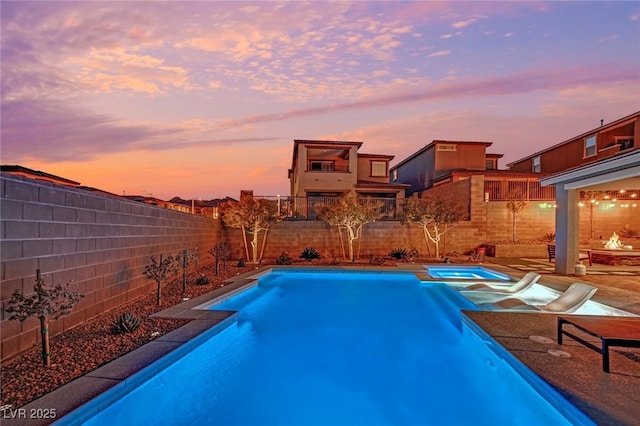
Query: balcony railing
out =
(531, 190)
(327, 168)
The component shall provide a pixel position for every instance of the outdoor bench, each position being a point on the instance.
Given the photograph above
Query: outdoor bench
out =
(612, 331)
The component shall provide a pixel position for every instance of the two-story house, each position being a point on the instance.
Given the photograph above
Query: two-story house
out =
(322, 168)
(438, 162)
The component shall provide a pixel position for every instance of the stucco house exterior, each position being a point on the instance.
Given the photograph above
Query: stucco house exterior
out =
(323, 169)
(606, 141)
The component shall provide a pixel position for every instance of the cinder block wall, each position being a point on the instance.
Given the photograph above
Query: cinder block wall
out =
(378, 238)
(601, 221)
(100, 243)
(532, 222)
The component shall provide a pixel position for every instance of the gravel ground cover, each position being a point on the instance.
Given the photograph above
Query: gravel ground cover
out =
(92, 344)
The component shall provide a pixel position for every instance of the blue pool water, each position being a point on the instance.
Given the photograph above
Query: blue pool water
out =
(342, 348)
(465, 272)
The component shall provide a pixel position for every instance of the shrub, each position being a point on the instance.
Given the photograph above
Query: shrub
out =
(160, 272)
(628, 232)
(398, 253)
(202, 280)
(375, 260)
(185, 260)
(309, 254)
(220, 252)
(549, 237)
(55, 302)
(125, 323)
(284, 259)
(412, 255)
(241, 263)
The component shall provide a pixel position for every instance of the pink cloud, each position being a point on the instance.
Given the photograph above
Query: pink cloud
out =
(524, 82)
(439, 53)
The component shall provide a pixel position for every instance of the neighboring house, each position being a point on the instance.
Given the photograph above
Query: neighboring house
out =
(26, 172)
(209, 208)
(158, 202)
(332, 168)
(36, 174)
(597, 144)
(438, 162)
(321, 169)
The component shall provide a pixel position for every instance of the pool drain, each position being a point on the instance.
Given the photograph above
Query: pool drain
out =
(559, 353)
(541, 339)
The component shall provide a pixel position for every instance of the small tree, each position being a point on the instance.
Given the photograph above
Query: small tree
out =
(435, 216)
(160, 271)
(351, 214)
(220, 252)
(253, 216)
(55, 302)
(515, 204)
(185, 260)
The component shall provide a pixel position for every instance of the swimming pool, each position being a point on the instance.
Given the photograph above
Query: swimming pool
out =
(465, 272)
(340, 348)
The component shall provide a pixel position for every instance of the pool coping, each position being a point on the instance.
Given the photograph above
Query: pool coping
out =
(83, 389)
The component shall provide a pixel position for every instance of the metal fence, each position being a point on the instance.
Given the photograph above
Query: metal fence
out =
(528, 189)
(307, 208)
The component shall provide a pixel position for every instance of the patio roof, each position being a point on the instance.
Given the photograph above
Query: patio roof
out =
(615, 173)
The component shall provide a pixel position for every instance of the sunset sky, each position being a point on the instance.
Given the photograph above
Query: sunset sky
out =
(203, 99)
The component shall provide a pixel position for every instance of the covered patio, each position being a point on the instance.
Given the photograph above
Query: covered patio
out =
(612, 174)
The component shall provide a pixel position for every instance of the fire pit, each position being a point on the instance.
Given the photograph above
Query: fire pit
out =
(615, 253)
(614, 242)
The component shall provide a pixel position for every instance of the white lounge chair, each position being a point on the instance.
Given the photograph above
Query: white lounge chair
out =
(525, 282)
(568, 302)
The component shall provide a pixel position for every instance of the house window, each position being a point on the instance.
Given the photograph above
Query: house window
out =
(536, 164)
(394, 175)
(378, 168)
(489, 164)
(322, 166)
(590, 146)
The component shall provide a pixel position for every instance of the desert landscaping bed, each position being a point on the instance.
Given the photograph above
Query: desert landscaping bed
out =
(92, 344)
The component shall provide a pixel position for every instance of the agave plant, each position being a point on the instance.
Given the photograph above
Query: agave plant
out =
(309, 254)
(125, 323)
(398, 253)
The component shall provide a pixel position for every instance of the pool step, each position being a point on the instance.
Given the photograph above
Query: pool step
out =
(451, 302)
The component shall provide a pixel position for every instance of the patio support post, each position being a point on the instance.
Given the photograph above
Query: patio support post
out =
(567, 230)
